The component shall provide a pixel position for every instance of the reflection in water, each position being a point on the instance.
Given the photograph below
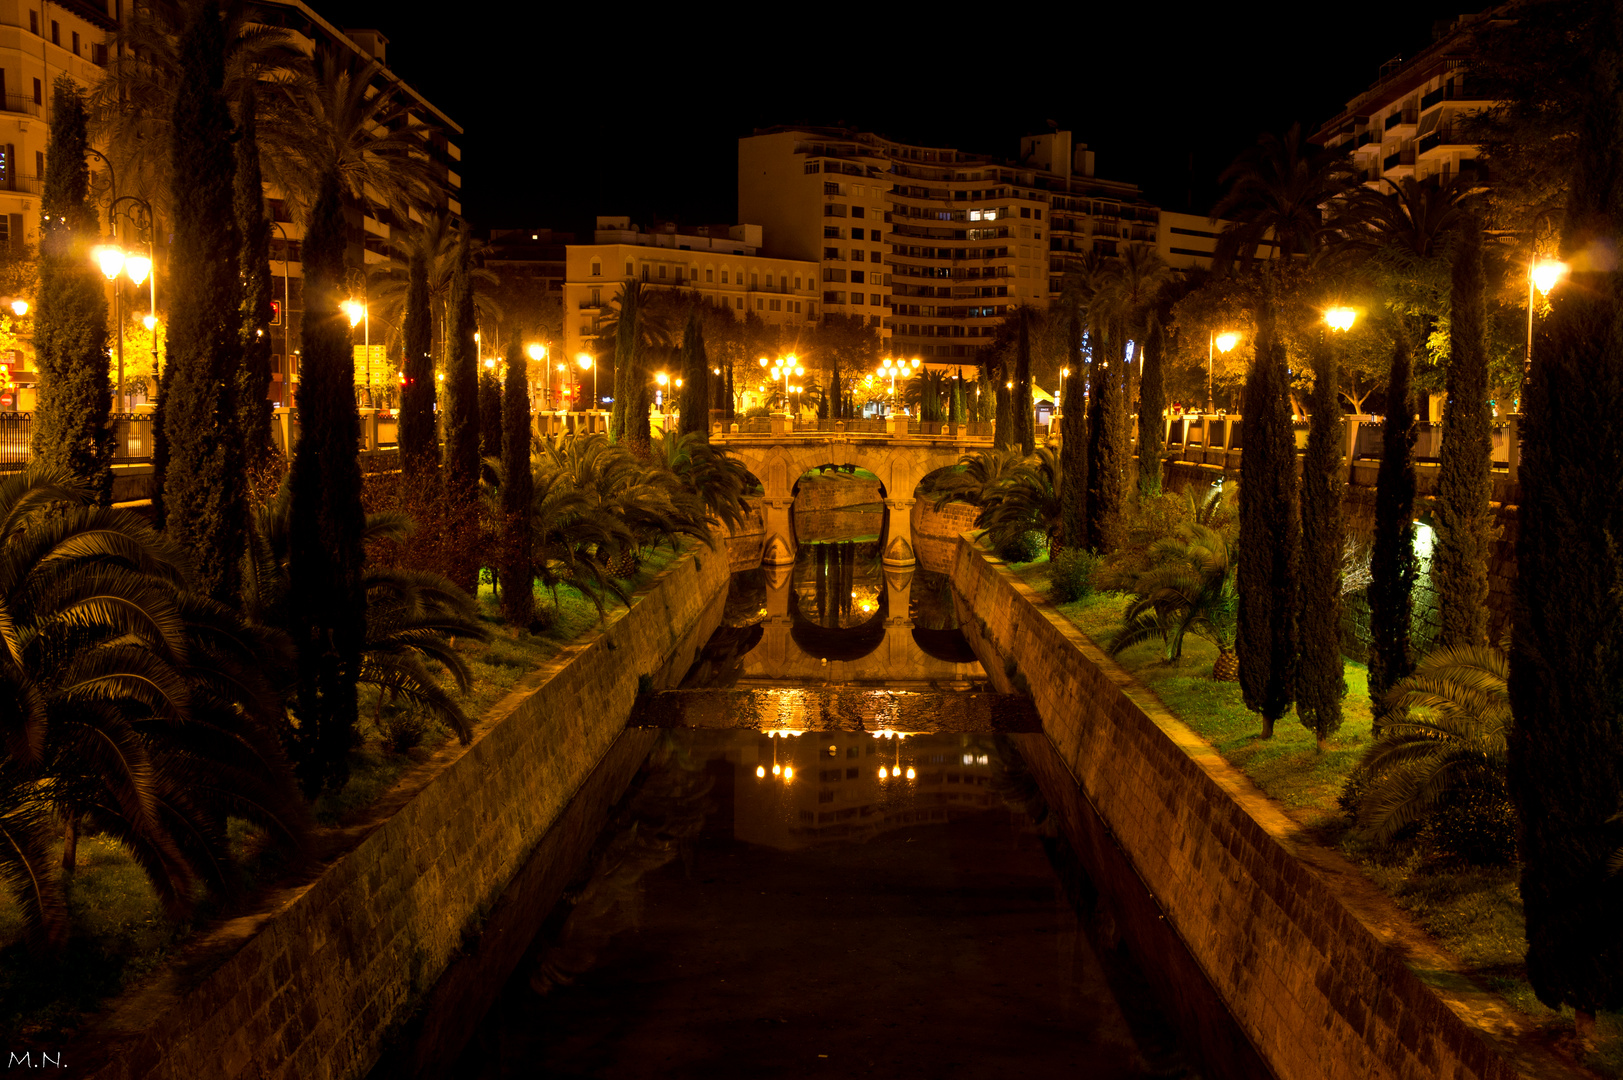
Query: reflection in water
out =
(835, 921)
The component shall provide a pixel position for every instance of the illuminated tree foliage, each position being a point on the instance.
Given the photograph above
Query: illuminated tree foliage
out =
(419, 446)
(1320, 685)
(1566, 674)
(1393, 566)
(517, 490)
(1270, 534)
(695, 365)
(252, 390)
(200, 489)
(1459, 565)
(326, 600)
(70, 320)
(490, 414)
(461, 389)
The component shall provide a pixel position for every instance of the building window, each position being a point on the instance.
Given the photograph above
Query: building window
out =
(1025, 211)
(775, 305)
(629, 271)
(740, 304)
(33, 23)
(662, 270)
(597, 297)
(724, 277)
(831, 232)
(709, 274)
(755, 281)
(833, 210)
(873, 320)
(645, 271)
(858, 277)
(597, 267)
(831, 297)
(797, 307)
(797, 283)
(832, 253)
(76, 43)
(814, 166)
(56, 32)
(857, 211)
(856, 234)
(39, 93)
(830, 189)
(769, 281)
(760, 305)
(39, 156)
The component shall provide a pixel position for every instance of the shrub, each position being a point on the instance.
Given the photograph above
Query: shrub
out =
(1072, 575)
(1022, 547)
(1475, 824)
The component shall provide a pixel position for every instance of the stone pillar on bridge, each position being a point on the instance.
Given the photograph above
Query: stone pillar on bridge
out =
(898, 596)
(898, 546)
(778, 547)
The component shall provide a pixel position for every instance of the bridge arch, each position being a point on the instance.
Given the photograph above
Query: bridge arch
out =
(899, 461)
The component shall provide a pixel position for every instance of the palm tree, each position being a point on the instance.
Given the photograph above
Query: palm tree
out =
(1189, 588)
(433, 239)
(132, 108)
(347, 124)
(412, 616)
(1459, 738)
(1026, 499)
(718, 479)
(977, 476)
(1280, 194)
(128, 705)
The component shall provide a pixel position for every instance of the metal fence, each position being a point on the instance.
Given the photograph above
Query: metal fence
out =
(132, 439)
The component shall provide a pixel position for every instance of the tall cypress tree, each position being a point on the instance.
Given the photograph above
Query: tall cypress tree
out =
(253, 377)
(627, 345)
(1320, 684)
(461, 388)
(1024, 422)
(325, 597)
(203, 499)
(1152, 405)
(1566, 670)
(419, 447)
(70, 320)
(1073, 440)
(695, 378)
(1107, 438)
(1392, 565)
(1464, 483)
(1270, 533)
(518, 567)
(490, 413)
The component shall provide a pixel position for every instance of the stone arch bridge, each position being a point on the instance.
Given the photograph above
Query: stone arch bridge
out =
(899, 461)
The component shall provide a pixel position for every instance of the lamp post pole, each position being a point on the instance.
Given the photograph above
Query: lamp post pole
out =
(287, 315)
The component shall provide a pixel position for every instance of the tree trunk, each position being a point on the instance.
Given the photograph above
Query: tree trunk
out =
(70, 842)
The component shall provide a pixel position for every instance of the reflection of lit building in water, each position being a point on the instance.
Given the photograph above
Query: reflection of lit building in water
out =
(814, 787)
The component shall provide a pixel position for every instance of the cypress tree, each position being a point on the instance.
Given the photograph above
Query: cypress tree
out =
(1566, 670)
(1152, 405)
(626, 349)
(325, 597)
(419, 447)
(461, 389)
(1073, 442)
(203, 503)
(731, 404)
(1320, 684)
(1459, 565)
(1107, 439)
(70, 320)
(1392, 563)
(1270, 534)
(490, 414)
(695, 378)
(518, 569)
(252, 389)
(1024, 422)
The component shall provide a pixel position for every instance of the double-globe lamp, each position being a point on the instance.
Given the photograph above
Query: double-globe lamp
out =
(113, 261)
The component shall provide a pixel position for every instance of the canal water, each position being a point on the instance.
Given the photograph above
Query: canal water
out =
(833, 863)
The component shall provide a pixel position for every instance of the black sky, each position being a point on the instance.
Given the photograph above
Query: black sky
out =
(638, 111)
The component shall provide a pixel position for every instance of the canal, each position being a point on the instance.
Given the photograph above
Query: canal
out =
(834, 861)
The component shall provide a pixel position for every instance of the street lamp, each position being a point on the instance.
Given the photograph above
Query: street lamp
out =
(584, 360)
(112, 261)
(1059, 398)
(788, 367)
(359, 312)
(1224, 342)
(1340, 318)
(1543, 276)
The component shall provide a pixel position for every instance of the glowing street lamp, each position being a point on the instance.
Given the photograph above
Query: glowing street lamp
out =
(1542, 275)
(1340, 318)
(19, 308)
(584, 361)
(1223, 343)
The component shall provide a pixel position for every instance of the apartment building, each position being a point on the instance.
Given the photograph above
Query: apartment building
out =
(940, 241)
(722, 264)
(1407, 123)
(41, 39)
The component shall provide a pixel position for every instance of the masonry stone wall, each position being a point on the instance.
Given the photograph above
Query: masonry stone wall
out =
(830, 493)
(1314, 989)
(936, 531)
(314, 987)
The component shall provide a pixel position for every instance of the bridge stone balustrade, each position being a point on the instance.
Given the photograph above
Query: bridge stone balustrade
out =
(900, 461)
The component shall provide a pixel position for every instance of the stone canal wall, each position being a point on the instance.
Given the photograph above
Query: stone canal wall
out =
(935, 532)
(1313, 986)
(320, 983)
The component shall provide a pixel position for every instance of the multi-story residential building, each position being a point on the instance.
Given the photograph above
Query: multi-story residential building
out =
(1408, 122)
(722, 264)
(941, 241)
(41, 39)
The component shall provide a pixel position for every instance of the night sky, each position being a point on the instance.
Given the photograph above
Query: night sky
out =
(639, 112)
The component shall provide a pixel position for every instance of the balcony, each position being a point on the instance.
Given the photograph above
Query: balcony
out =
(1459, 90)
(28, 185)
(1403, 159)
(1401, 119)
(1443, 139)
(18, 103)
